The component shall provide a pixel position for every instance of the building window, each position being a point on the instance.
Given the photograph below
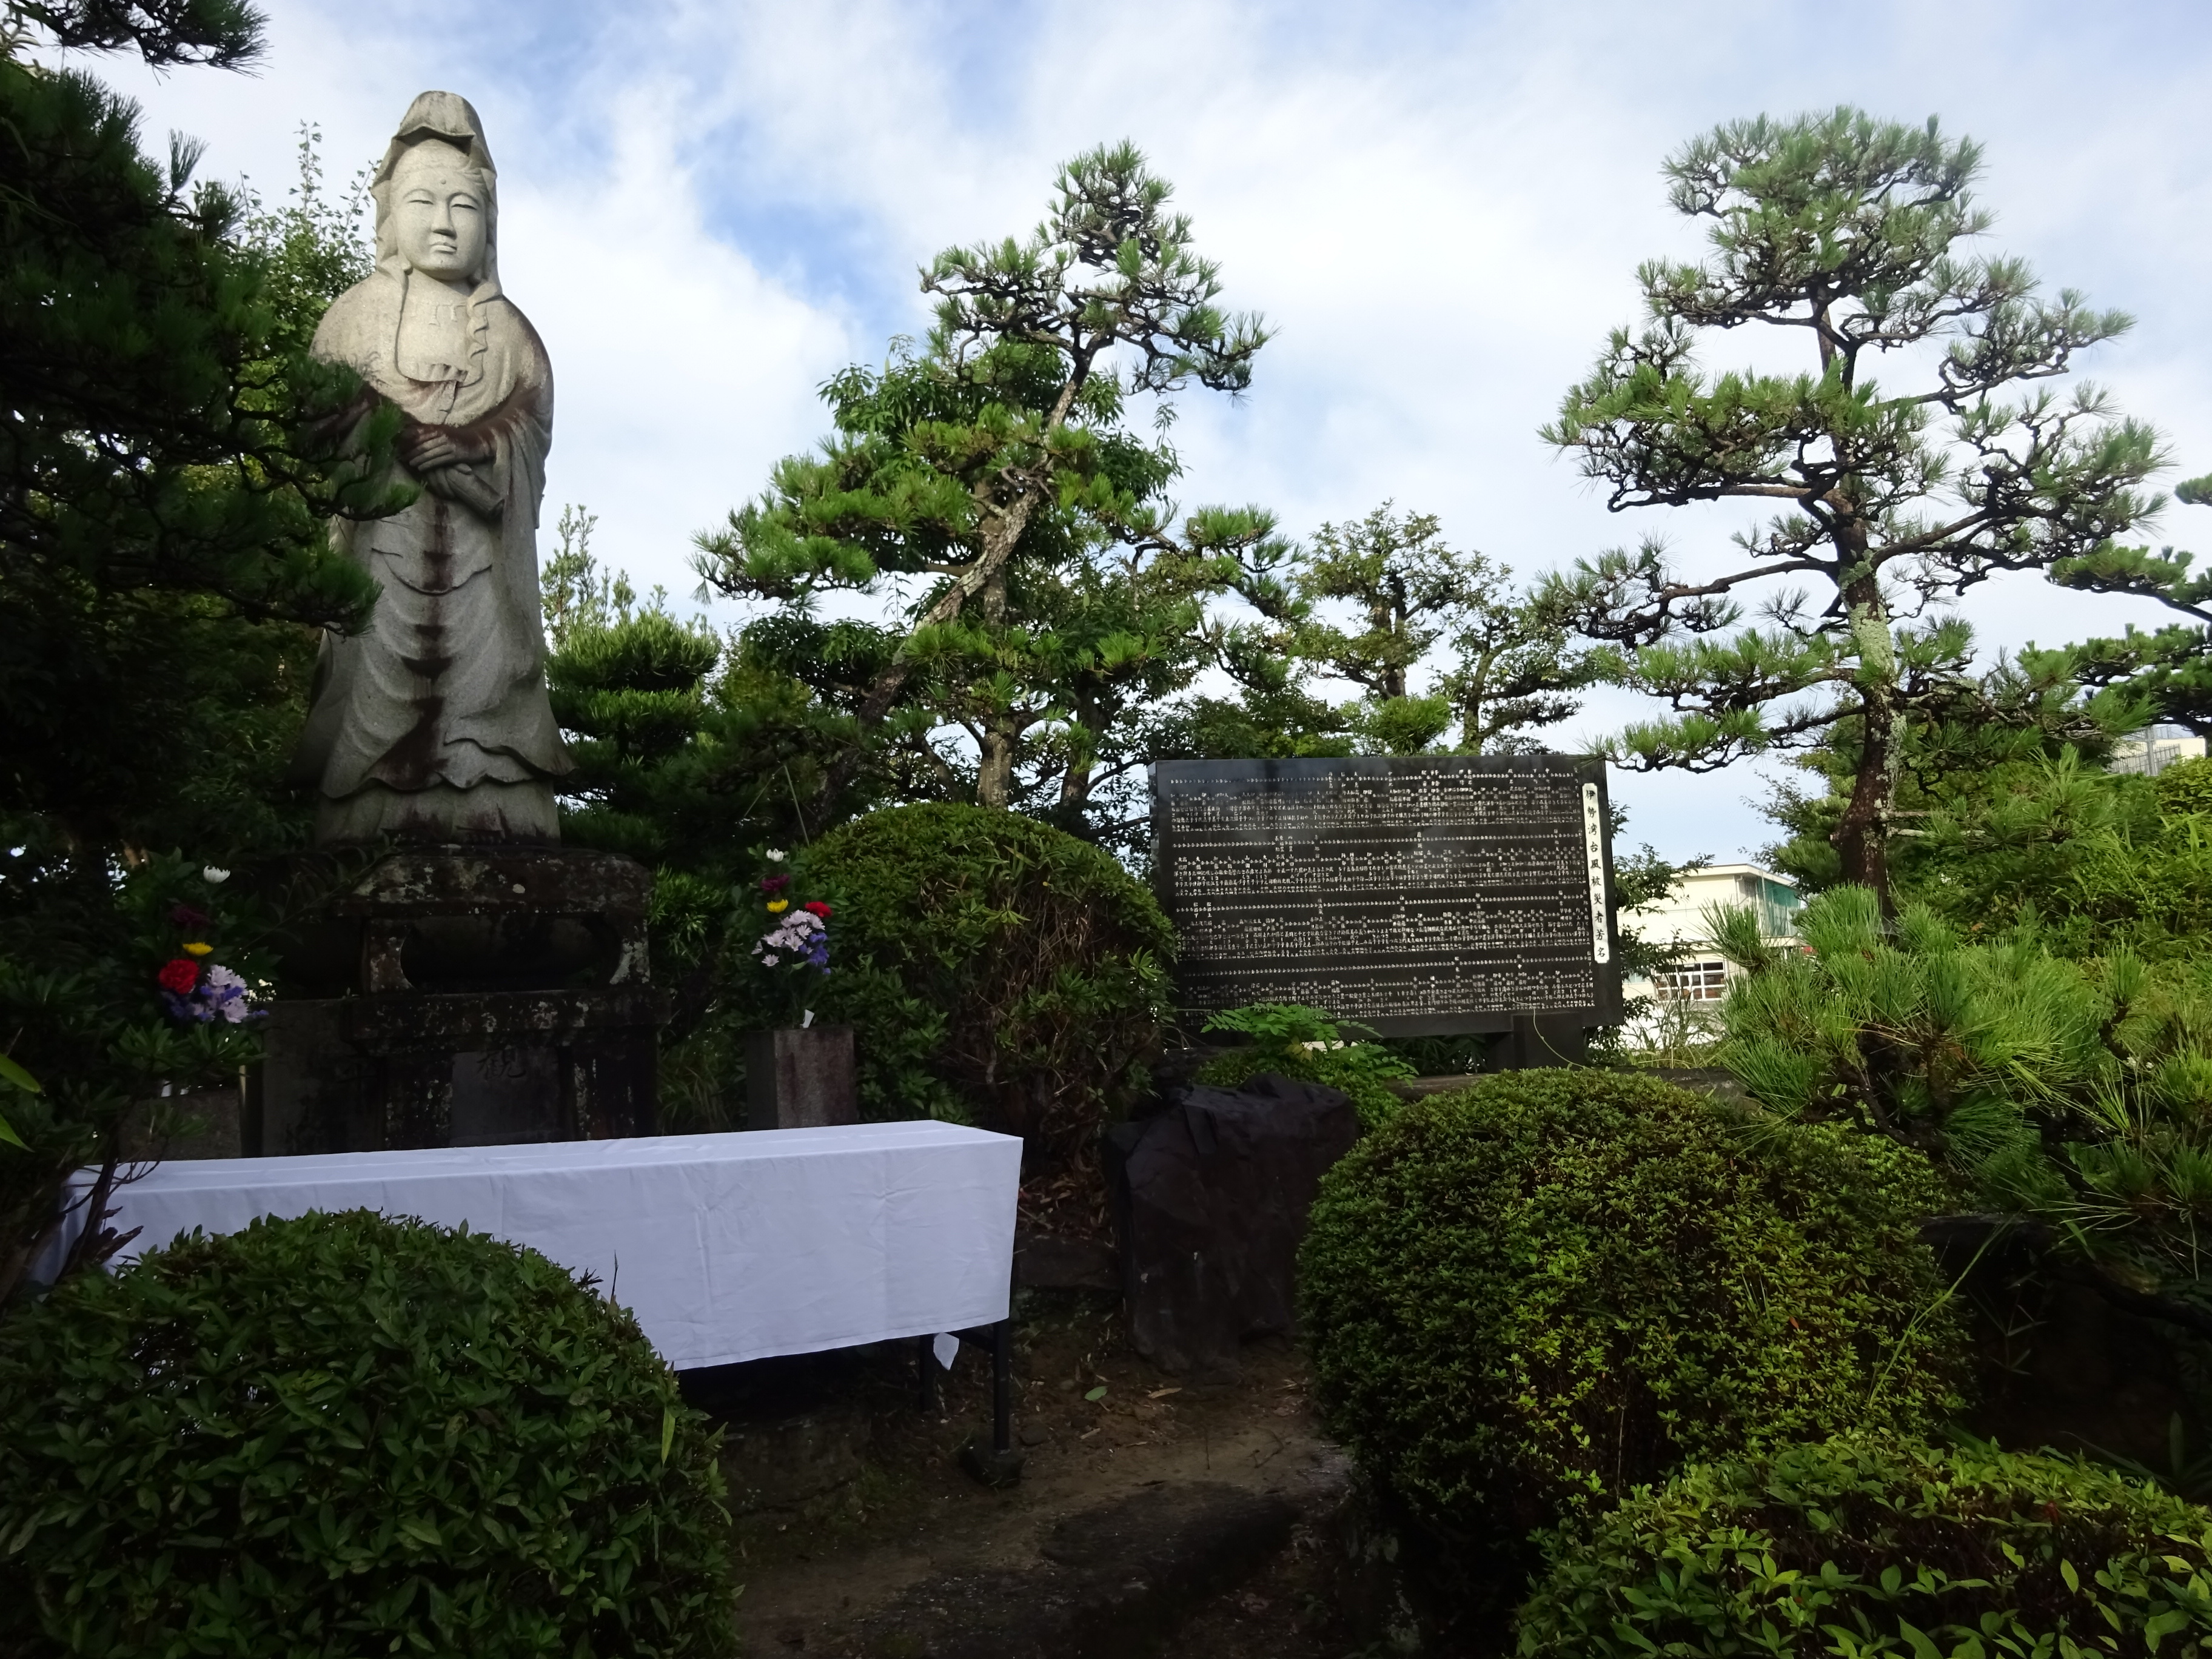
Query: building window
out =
(1692, 982)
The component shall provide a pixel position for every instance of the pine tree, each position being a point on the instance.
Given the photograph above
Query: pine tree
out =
(2169, 669)
(1512, 668)
(1846, 232)
(164, 563)
(993, 470)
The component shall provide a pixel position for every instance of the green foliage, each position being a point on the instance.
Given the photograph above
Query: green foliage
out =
(1308, 1043)
(1842, 228)
(2096, 860)
(1875, 1545)
(2170, 668)
(690, 757)
(164, 565)
(2028, 714)
(151, 503)
(2073, 1093)
(631, 696)
(1526, 1298)
(1510, 670)
(81, 1012)
(996, 970)
(347, 1434)
(226, 33)
(990, 483)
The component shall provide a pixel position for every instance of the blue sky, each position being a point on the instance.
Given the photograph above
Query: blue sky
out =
(707, 208)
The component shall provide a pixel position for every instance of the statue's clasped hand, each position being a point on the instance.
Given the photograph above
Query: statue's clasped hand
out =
(427, 448)
(445, 458)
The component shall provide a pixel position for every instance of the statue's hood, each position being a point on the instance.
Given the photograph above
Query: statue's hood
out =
(451, 118)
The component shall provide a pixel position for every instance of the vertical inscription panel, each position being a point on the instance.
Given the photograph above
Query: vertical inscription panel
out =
(1424, 895)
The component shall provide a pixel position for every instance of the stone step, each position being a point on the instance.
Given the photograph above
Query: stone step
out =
(1112, 1581)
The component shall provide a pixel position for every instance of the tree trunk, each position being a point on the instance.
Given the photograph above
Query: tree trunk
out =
(994, 775)
(994, 770)
(1075, 782)
(1862, 837)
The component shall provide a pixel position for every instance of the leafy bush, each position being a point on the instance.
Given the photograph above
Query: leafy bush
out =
(993, 968)
(2077, 1092)
(1875, 1546)
(2098, 860)
(1306, 1043)
(345, 1434)
(1528, 1297)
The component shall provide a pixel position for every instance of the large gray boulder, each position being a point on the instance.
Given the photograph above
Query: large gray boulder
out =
(1212, 1198)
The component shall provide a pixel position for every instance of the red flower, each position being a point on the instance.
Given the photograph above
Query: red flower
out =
(185, 916)
(180, 975)
(774, 883)
(817, 907)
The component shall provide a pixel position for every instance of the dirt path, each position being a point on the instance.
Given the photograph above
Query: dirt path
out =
(911, 1514)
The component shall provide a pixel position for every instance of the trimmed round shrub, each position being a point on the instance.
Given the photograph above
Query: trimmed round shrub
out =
(996, 970)
(346, 1435)
(1881, 1546)
(1526, 1297)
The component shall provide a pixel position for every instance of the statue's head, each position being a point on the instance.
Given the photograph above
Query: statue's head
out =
(436, 194)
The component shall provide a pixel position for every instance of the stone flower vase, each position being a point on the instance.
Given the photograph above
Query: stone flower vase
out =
(800, 1077)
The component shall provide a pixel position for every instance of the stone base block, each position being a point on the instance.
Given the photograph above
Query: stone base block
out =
(800, 1079)
(359, 1074)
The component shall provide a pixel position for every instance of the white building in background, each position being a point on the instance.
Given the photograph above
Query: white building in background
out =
(1703, 974)
(2148, 753)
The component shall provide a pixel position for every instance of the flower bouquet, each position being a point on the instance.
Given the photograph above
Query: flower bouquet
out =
(797, 1075)
(794, 946)
(193, 988)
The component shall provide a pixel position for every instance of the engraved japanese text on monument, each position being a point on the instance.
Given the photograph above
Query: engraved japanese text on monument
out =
(1427, 891)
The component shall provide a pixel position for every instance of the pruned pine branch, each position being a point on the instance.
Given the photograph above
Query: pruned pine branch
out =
(1893, 499)
(167, 33)
(1108, 268)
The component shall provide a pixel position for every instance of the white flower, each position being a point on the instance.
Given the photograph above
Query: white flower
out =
(770, 958)
(213, 876)
(776, 853)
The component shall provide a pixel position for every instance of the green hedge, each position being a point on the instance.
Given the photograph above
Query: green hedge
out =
(1298, 1042)
(996, 969)
(1874, 1547)
(1527, 1297)
(348, 1434)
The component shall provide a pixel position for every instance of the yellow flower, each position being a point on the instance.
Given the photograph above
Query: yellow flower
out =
(776, 908)
(195, 948)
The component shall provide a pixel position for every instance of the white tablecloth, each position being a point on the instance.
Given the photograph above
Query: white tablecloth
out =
(726, 1247)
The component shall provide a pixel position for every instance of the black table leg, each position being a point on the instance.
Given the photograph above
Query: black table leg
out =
(1002, 1387)
(925, 1357)
(1002, 1464)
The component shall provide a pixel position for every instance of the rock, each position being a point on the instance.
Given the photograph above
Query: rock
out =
(1211, 1197)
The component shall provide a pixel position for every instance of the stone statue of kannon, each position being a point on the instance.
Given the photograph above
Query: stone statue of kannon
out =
(434, 725)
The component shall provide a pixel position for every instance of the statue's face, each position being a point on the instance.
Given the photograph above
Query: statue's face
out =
(438, 212)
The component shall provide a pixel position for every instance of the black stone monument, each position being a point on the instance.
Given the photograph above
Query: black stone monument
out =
(1426, 895)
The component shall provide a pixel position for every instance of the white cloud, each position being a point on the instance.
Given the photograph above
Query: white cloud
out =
(711, 206)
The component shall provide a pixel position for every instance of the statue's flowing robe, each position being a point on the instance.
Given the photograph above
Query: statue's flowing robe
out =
(436, 722)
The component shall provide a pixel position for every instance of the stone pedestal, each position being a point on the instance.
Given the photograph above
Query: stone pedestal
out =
(800, 1079)
(465, 997)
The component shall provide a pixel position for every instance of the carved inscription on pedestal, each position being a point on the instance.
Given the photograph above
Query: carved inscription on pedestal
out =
(1423, 896)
